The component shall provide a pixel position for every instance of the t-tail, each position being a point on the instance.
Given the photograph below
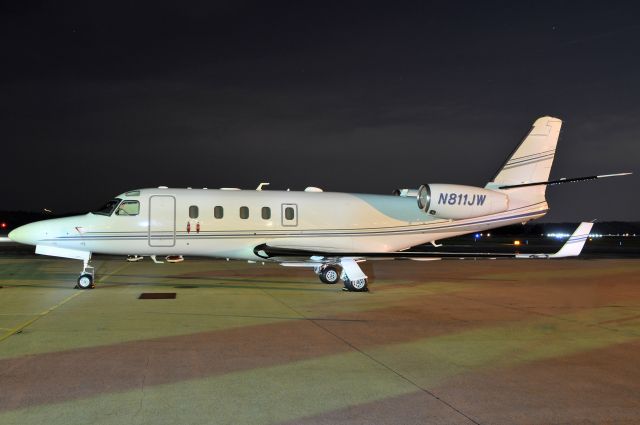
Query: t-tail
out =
(530, 162)
(524, 177)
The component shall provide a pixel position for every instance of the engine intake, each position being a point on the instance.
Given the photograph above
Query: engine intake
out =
(405, 192)
(456, 202)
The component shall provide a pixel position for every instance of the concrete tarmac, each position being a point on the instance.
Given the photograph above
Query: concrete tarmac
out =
(442, 342)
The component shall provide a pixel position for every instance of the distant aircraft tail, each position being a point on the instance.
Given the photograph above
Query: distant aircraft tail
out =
(573, 246)
(530, 162)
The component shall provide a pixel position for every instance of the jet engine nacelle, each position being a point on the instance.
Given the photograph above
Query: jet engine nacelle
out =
(455, 202)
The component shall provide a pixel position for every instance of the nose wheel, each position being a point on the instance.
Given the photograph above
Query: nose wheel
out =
(85, 281)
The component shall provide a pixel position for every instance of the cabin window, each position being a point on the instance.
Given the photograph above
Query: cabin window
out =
(108, 208)
(193, 211)
(128, 208)
(289, 213)
(266, 213)
(218, 212)
(244, 213)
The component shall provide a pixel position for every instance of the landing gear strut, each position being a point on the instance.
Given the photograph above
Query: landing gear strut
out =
(85, 281)
(352, 276)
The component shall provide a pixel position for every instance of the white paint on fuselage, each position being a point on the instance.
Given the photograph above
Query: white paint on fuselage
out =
(326, 222)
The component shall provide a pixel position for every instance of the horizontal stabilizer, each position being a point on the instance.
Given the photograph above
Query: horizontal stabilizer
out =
(563, 180)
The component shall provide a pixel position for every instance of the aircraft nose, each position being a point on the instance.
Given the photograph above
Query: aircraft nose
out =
(24, 234)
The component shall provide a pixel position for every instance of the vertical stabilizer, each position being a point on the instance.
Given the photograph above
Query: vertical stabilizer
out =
(573, 246)
(532, 159)
(530, 162)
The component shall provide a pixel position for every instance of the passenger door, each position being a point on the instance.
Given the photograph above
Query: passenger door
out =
(162, 220)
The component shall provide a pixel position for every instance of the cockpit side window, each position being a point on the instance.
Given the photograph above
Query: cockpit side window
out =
(108, 208)
(128, 208)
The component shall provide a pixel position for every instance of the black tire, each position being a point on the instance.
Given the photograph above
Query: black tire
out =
(85, 281)
(360, 285)
(330, 275)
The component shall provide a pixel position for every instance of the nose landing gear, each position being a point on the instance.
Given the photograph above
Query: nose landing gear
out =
(85, 281)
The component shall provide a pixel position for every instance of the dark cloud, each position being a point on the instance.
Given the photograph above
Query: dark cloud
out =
(98, 98)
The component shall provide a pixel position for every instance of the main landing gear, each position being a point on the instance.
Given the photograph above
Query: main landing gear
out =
(352, 276)
(357, 285)
(85, 281)
(329, 275)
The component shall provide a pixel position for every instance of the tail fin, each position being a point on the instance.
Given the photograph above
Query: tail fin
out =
(530, 162)
(532, 159)
(573, 246)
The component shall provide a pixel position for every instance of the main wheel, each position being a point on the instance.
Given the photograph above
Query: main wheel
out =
(85, 281)
(358, 285)
(329, 275)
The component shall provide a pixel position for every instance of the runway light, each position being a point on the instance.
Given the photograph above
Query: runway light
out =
(516, 243)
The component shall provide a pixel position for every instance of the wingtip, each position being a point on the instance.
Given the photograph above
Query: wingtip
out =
(626, 173)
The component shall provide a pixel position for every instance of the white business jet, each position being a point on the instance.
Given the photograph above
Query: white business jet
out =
(328, 232)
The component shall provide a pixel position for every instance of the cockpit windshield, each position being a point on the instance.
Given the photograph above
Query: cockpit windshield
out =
(108, 208)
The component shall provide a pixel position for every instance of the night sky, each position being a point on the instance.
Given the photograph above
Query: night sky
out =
(100, 97)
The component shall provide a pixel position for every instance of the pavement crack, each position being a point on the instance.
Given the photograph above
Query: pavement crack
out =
(142, 387)
(540, 314)
(377, 361)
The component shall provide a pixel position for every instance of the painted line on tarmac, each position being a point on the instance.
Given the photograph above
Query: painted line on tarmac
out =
(37, 317)
(111, 273)
(22, 326)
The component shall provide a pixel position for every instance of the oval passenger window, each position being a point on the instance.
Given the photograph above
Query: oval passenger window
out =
(193, 211)
(244, 213)
(218, 212)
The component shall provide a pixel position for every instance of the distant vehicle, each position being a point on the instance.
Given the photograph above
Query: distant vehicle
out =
(328, 232)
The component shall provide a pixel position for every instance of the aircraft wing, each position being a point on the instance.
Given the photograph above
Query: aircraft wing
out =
(305, 258)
